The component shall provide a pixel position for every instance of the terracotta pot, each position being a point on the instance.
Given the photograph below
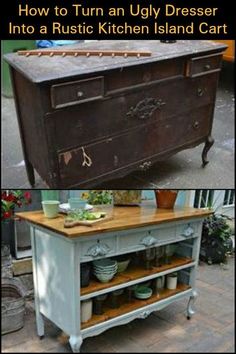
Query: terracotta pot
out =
(166, 198)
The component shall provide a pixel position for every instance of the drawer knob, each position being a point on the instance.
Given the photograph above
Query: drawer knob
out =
(80, 94)
(189, 231)
(148, 241)
(207, 67)
(145, 108)
(196, 125)
(145, 166)
(100, 249)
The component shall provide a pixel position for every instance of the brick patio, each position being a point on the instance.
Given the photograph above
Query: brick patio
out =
(210, 330)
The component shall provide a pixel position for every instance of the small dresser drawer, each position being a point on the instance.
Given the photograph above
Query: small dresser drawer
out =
(151, 237)
(71, 93)
(96, 248)
(189, 229)
(203, 65)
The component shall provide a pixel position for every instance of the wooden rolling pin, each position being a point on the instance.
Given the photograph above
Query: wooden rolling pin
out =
(87, 53)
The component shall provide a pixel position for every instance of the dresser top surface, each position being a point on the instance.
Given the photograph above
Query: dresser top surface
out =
(124, 218)
(45, 68)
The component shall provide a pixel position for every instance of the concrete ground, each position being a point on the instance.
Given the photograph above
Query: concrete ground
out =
(210, 330)
(180, 171)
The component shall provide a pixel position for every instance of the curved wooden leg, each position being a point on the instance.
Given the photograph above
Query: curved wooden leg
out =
(30, 173)
(208, 144)
(190, 310)
(75, 343)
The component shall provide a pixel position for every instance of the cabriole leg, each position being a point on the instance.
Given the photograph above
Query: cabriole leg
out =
(75, 343)
(190, 310)
(208, 144)
(30, 173)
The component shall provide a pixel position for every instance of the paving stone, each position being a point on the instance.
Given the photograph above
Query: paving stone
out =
(22, 266)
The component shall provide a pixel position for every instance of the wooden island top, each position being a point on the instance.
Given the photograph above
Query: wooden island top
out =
(123, 218)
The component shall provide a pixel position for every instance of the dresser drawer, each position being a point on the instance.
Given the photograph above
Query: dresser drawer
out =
(189, 229)
(105, 118)
(93, 160)
(204, 65)
(140, 239)
(71, 93)
(125, 79)
(97, 248)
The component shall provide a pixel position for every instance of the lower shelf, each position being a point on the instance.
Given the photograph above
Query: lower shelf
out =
(131, 306)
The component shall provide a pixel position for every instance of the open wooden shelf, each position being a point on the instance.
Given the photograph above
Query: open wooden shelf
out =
(131, 306)
(133, 273)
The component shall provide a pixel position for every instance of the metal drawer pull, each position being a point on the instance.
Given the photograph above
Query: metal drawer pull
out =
(189, 231)
(100, 249)
(196, 125)
(80, 94)
(200, 92)
(148, 241)
(145, 166)
(145, 108)
(207, 67)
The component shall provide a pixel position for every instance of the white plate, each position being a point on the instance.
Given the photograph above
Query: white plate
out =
(65, 207)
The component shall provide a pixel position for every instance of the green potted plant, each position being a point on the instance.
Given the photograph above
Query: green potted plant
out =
(10, 199)
(166, 198)
(101, 199)
(127, 197)
(216, 239)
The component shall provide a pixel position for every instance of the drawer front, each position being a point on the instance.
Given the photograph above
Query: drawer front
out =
(71, 93)
(127, 78)
(204, 65)
(189, 229)
(141, 239)
(97, 248)
(104, 118)
(90, 161)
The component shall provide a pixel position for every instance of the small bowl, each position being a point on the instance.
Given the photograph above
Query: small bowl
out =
(143, 292)
(104, 263)
(122, 265)
(104, 278)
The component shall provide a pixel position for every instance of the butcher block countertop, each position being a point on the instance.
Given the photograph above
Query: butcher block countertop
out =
(123, 218)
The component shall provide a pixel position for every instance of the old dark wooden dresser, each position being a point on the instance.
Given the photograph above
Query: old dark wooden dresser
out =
(84, 120)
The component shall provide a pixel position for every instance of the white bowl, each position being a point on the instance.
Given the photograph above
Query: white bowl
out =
(104, 263)
(104, 278)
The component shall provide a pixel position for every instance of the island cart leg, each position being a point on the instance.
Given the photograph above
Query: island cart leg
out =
(190, 310)
(208, 144)
(39, 317)
(75, 343)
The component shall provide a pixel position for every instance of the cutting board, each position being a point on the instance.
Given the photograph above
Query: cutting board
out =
(86, 222)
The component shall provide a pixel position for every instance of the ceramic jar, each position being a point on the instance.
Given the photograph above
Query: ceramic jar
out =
(171, 282)
(160, 282)
(86, 310)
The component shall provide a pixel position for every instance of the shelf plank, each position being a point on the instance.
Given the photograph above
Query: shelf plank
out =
(134, 305)
(134, 273)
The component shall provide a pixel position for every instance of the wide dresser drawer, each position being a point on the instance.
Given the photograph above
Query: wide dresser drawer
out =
(93, 121)
(95, 159)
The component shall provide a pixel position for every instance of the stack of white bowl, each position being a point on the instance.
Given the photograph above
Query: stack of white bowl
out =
(105, 269)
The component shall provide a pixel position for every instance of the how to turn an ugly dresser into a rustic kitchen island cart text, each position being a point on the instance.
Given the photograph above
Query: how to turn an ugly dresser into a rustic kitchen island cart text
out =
(59, 253)
(87, 119)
